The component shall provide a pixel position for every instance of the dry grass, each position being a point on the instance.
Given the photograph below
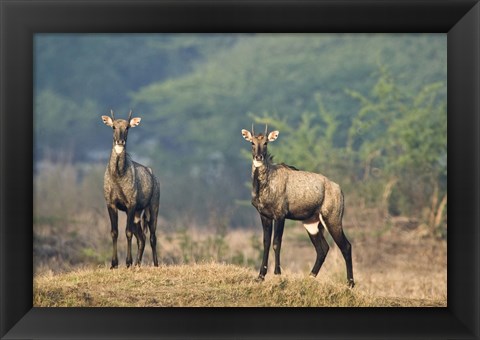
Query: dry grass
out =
(390, 263)
(210, 284)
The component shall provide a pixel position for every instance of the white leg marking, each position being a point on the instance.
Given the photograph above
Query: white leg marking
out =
(138, 217)
(312, 228)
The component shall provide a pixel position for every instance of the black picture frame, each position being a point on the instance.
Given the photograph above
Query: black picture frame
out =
(20, 20)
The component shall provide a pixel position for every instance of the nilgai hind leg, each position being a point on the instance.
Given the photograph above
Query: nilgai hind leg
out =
(334, 227)
(140, 236)
(152, 226)
(315, 232)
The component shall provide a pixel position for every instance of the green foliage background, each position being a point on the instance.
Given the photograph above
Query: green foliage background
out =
(366, 110)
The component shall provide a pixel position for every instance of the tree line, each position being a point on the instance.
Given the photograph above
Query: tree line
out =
(368, 111)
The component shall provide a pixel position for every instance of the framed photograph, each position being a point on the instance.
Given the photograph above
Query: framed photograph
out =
(183, 60)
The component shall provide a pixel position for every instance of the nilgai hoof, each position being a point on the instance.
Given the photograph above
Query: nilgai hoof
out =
(351, 283)
(113, 266)
(277, 271)
(312, 275)
(260, 278)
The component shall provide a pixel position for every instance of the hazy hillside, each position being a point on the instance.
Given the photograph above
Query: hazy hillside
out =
(186, 84)
(340, 101)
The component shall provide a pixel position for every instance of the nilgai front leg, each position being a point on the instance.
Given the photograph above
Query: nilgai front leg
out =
(277, 243)
(267, 240)
(113, 214)
(129, 233)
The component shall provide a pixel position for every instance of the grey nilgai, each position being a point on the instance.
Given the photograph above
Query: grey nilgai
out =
(280, 192)
(133, 188)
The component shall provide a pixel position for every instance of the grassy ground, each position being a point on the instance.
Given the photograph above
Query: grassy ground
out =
(210, 284)
(392, 267)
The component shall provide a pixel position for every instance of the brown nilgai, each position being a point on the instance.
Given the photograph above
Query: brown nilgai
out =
(280, 191)
(133, 188)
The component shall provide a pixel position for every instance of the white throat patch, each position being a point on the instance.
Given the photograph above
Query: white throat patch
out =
(118, 149)
(257, 164)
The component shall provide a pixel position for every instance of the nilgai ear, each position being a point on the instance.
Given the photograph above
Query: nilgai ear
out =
(247, 135)
(135, 121)
(107, 120)
(273, 135)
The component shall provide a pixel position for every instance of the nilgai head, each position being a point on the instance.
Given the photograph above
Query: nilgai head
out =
(259, 144)
(120, 129)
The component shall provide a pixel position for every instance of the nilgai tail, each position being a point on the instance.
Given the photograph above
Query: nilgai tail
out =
(282, 192)
(132, 188)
